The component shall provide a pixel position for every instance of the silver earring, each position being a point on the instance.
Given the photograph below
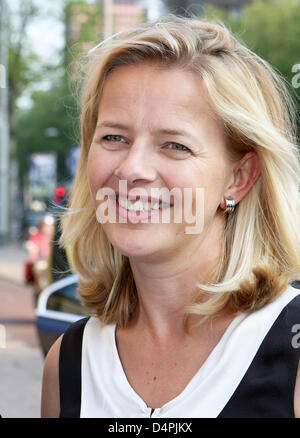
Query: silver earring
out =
(230, 205)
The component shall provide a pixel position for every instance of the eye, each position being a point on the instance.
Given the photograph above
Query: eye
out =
(177, 147)
(114, 138)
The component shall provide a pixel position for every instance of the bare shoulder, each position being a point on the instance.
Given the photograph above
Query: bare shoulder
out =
(50, 407)
(297, 394)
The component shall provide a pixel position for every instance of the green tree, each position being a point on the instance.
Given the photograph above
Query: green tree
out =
(57, 107)
(20, 61)
(271, 29)
(50, 125)
(83, 23)
(268, 27)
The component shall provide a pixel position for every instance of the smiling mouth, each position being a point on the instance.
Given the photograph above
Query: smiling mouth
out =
(140, 205)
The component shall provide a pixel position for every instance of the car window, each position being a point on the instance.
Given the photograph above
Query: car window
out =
(66, 300)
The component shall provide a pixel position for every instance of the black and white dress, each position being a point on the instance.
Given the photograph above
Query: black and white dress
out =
(251, 372)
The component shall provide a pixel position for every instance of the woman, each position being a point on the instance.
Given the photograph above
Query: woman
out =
(188, 321)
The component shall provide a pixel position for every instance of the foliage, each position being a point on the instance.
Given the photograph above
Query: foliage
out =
(56, 109)
(261, 26)
(20, 60)
(271, 29)
(83, 28)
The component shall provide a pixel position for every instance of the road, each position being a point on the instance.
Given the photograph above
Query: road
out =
(21, 360)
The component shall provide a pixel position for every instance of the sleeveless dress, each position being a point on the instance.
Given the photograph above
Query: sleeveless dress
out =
(250, 373)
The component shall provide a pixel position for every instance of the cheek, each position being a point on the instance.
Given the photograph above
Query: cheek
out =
(99, 170)
(215, 188)
(176, 176)
(207, 184)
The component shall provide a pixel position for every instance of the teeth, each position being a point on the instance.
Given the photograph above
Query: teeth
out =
(140, 206)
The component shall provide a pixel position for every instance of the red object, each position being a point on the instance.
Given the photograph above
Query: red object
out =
(60, 191)
(28, 272)
(59, 194)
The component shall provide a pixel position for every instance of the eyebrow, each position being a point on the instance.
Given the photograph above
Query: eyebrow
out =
(108, 124)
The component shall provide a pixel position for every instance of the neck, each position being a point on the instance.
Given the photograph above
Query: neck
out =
(166, 288)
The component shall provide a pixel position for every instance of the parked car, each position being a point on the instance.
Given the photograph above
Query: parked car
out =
(58, 306)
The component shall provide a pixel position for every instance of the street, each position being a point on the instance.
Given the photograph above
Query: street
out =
(21, 360)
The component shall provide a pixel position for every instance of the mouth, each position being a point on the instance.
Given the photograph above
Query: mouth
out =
(142, 204)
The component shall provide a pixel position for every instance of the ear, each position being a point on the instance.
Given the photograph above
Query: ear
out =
(246, 174)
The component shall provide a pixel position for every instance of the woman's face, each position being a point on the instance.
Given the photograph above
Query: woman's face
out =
(156, 130)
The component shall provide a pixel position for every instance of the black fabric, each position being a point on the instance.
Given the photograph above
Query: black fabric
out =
(70, 370)
(267, 388)
(296, 284)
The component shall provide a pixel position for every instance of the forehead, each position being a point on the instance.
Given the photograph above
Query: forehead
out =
(167, 91)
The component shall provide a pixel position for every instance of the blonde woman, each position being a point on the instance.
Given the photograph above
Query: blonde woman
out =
(194, 315)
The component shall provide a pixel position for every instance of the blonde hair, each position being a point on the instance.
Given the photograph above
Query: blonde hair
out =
(262, 237)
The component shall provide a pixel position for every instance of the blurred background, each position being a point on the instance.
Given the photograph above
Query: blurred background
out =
(39, 149)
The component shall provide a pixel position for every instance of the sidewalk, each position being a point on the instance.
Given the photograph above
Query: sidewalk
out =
(21, 360)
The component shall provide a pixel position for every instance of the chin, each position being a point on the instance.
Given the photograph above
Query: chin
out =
(134, 242)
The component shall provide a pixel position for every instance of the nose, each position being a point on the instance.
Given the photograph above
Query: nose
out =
(137, 167)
